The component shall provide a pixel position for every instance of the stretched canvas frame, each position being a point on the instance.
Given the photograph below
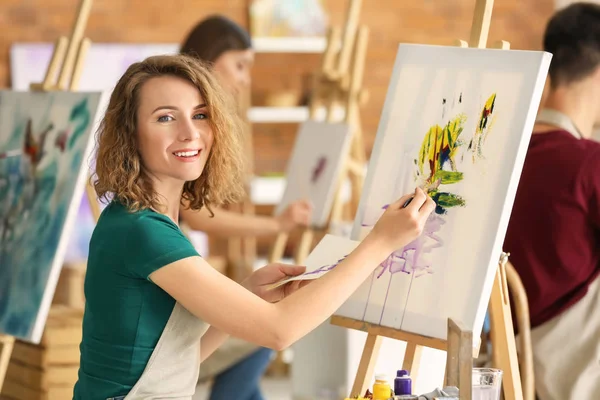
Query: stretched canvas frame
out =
(45, 141)
(103, 66)
(456, 122)
(315, 167)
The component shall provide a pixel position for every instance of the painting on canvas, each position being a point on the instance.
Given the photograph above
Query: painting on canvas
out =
(287, 18)
(104, 64)
(45, 140)
(315, 166)
(457, 123)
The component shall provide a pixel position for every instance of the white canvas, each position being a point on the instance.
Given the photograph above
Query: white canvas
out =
(45, 140)
(103, 66)
(449, 270)
(315, 166)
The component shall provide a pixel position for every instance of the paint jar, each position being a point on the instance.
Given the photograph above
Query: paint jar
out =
(381, 389)
(487, 384)
(402, 383)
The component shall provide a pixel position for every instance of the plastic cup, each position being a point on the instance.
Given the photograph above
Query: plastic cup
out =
(487, 384)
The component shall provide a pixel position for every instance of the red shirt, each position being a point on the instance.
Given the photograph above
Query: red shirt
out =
(553, 235)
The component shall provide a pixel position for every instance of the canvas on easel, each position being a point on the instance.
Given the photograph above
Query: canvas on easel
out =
(45, 139)
(460, 130)
(314, 167)
(458, 342)
(102, 67)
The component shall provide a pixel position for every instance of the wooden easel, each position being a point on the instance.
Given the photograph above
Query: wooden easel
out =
(459, 341)
(338, 84)
(72, 57)
(7, 342)
(68, 55)
(459, 346)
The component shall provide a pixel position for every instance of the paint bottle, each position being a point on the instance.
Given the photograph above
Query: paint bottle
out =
(402, 383)
(381, 389)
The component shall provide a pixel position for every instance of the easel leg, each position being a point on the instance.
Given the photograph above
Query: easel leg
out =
(304, 246)
(412, 359)
(504, 346)
(367, 364)
(7, 343)
(93, 201)
(459, 362)
(278, 248)
(248, 243)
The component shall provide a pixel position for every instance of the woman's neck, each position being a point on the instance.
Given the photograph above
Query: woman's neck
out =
(169, 195)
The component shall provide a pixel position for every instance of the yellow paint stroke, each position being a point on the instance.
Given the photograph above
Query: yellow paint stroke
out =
(484, 126)
(439, 146)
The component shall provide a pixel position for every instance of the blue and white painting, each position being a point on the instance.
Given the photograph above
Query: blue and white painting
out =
(45, 145)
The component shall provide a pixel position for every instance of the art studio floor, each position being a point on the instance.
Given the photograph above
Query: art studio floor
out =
(272, 388)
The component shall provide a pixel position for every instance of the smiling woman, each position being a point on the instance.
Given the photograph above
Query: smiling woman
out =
(170, 134)
(180, 107)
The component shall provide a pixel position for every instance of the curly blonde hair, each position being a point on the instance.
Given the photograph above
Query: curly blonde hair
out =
(119, 169)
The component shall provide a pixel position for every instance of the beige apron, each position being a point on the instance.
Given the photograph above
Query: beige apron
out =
(172, 371)
(566, 351)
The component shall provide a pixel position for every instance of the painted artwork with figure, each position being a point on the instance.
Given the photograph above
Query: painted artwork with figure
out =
(315, 166)
(104, 64)
(277, 18)
(45, 144)
(456, 123)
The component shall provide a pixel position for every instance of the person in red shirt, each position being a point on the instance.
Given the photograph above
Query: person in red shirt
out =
(553, 235)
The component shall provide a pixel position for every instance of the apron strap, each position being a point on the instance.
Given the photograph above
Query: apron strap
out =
(556, 118)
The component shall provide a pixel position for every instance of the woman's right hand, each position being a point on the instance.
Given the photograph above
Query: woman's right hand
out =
(399, 226)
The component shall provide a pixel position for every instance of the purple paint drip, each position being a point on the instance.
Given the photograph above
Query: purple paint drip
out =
(325, 268)
(409, 260)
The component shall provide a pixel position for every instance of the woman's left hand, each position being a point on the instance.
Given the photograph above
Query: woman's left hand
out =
(261, 279)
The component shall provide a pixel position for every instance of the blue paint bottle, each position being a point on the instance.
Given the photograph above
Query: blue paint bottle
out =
(402, 383)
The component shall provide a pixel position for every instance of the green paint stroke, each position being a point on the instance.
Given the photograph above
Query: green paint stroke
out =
(445, 200)
(81, 114)
(448, 177)
(437, 162)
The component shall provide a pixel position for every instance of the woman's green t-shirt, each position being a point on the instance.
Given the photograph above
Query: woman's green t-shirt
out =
(125, 313)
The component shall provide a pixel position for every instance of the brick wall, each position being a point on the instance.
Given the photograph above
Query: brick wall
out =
(390, 22)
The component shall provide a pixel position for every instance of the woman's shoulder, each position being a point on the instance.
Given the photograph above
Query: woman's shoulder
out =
(145, 239)
(119, 223)
(117, 213)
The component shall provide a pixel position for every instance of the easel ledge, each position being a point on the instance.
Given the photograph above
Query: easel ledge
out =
(459, 343)
(68, 56)
(383, 331)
